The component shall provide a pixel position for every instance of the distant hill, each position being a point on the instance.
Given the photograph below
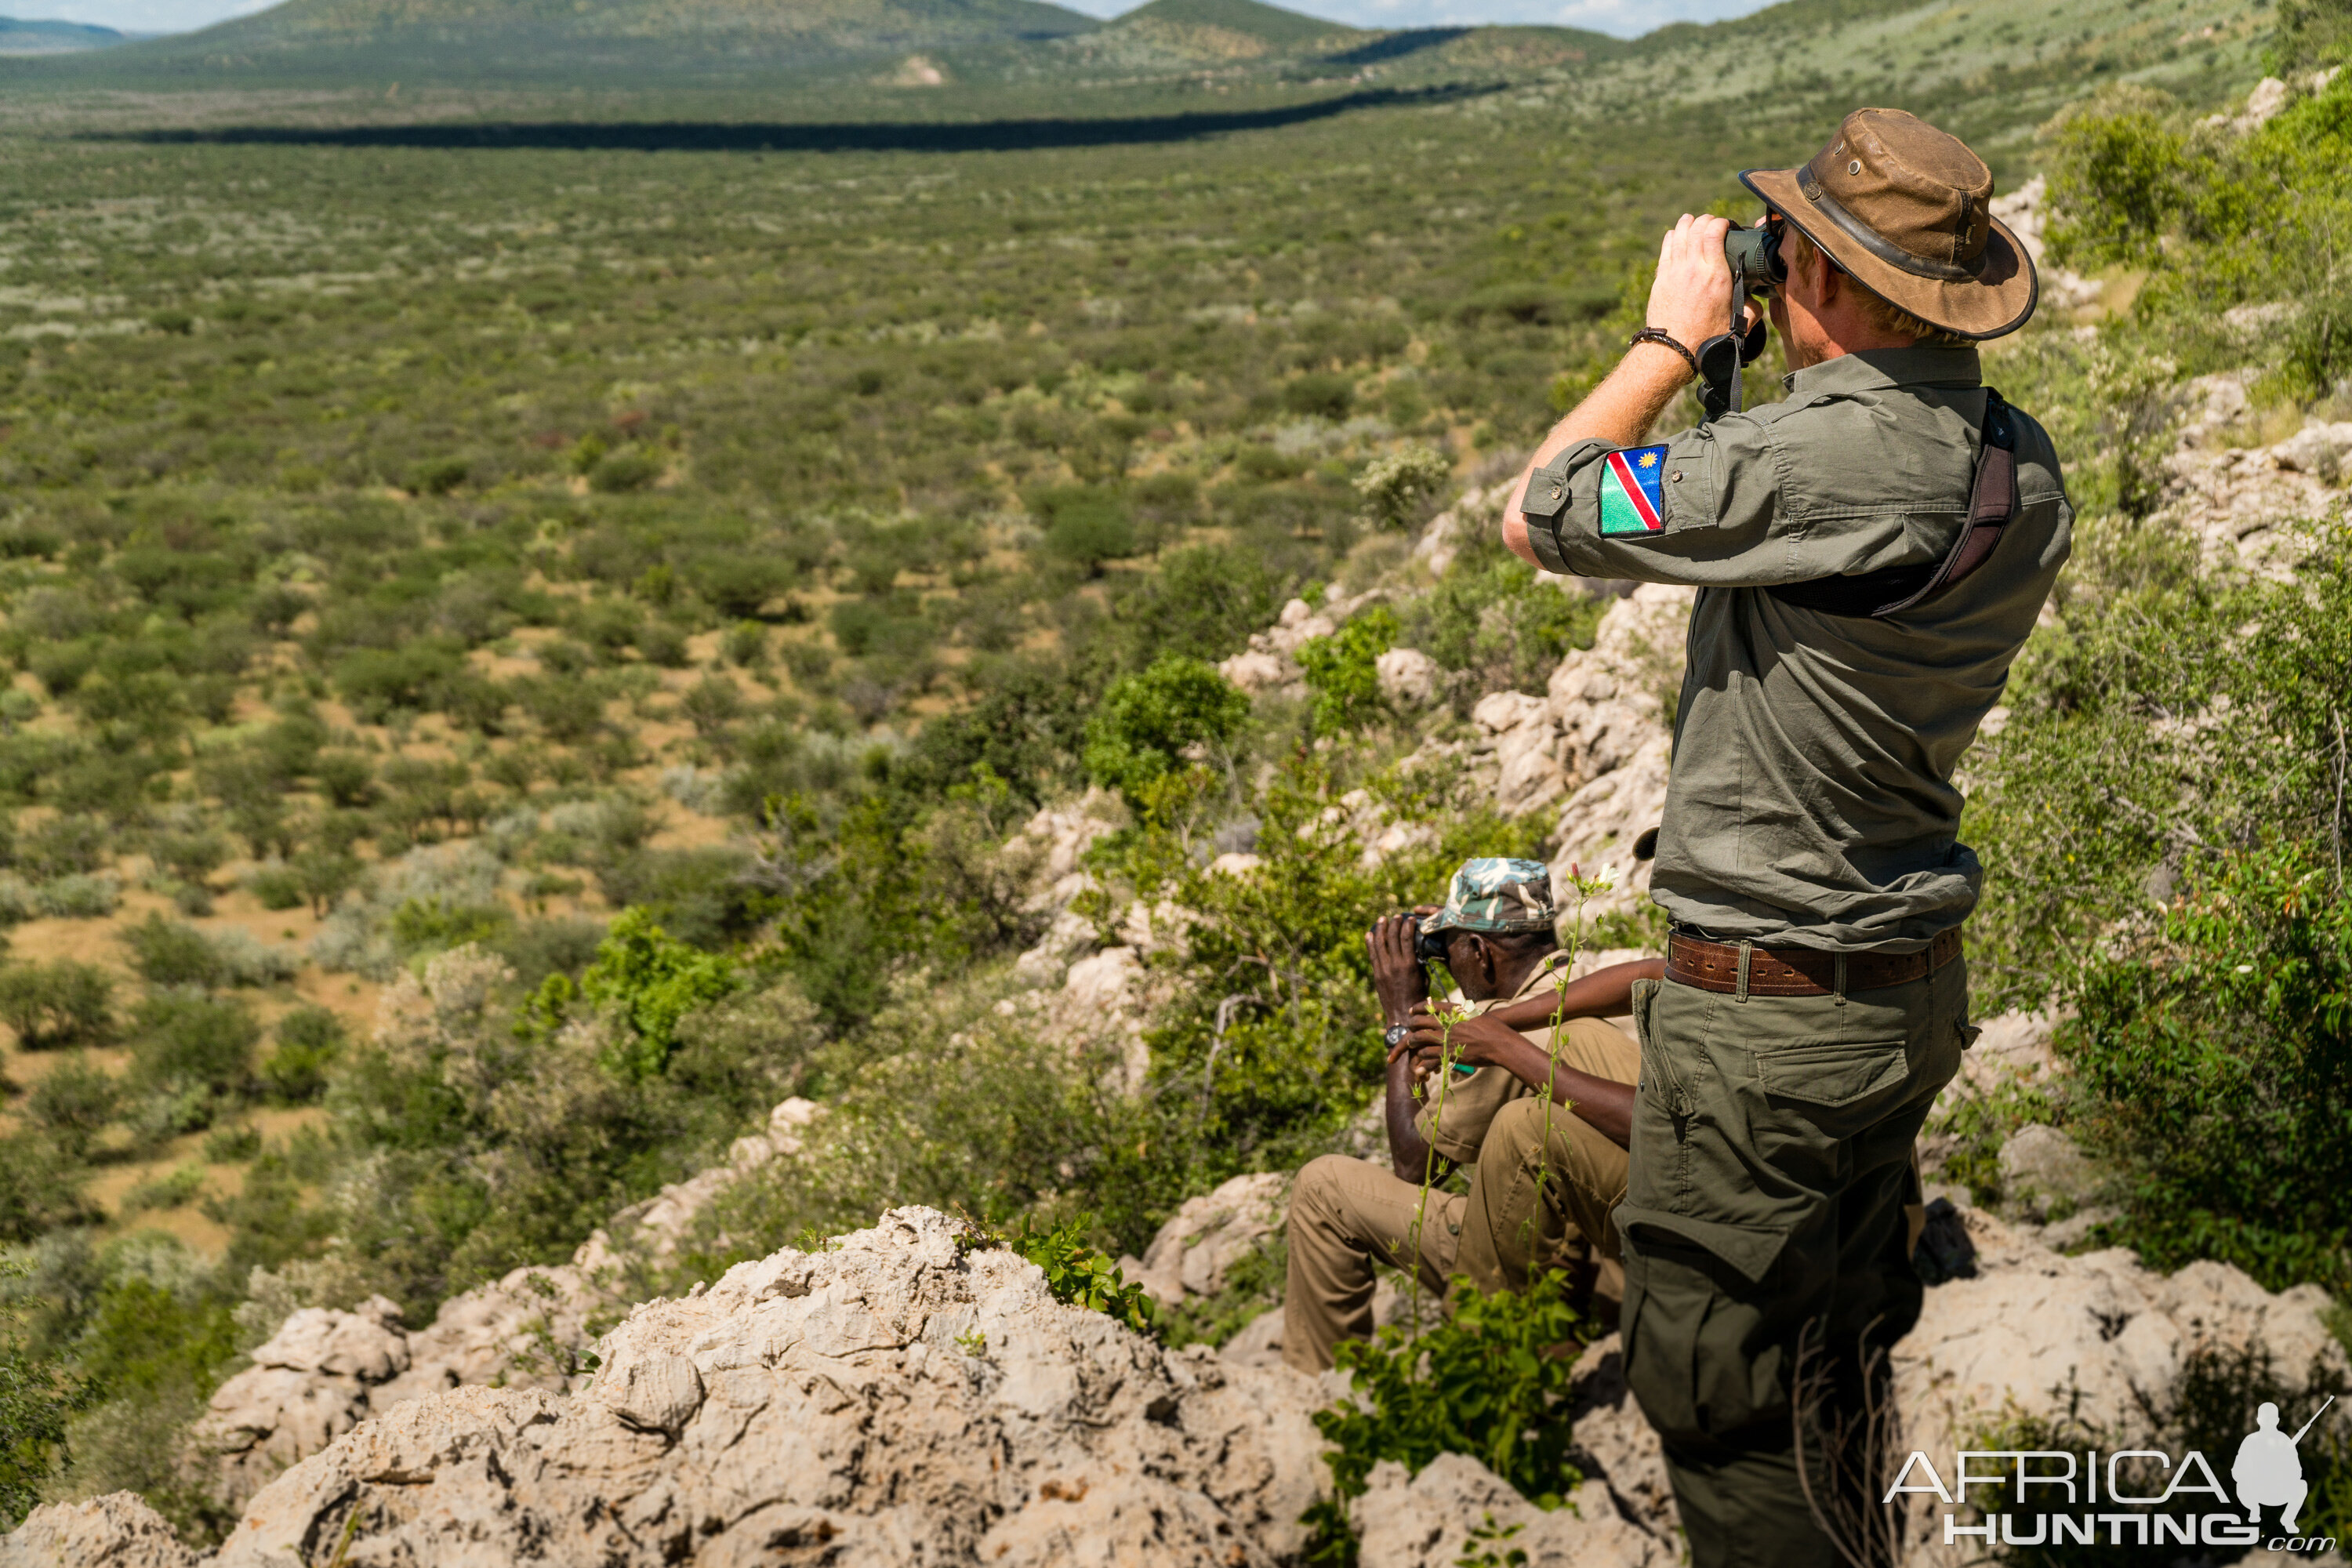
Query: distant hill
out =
(53, 37)
(541, 38)
(1269, 24)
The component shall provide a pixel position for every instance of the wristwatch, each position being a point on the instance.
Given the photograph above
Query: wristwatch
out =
(1396, 1035)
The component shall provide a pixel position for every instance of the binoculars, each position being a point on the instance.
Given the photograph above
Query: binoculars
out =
(1429, 946)
(1757, 264)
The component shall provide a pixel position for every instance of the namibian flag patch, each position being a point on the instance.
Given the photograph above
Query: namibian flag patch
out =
(1629, 501)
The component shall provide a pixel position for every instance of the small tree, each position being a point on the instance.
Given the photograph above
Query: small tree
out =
(1344, 670)
(1395, 483)
(73, 1102)
(59, 1003)
(1147, 721)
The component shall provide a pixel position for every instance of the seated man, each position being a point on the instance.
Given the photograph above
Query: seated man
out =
(1349, 1215)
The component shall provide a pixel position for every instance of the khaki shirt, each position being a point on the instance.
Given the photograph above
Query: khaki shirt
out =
(1457, 1128)
(1810, 803)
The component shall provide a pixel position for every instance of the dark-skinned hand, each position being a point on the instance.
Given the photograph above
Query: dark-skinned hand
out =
(1398, 978)
(1482, 1041)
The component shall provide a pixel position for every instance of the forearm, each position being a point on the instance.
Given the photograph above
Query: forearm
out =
(1620, 411)
(1409, 1152)
(1603, 994)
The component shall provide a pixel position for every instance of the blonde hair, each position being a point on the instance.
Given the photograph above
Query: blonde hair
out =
(1881, 312)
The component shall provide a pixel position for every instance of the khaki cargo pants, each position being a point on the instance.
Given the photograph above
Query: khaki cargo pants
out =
(1772, 1162)
(1346, 1215)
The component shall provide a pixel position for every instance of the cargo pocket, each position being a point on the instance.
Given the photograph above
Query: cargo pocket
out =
(1694, 1302)
(1838, 1085)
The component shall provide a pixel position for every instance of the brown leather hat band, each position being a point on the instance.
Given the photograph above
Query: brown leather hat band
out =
(1878, 244)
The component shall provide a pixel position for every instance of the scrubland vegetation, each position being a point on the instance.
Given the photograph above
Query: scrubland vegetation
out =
(675, 578)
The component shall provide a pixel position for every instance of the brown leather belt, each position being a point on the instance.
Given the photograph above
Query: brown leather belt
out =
(1801, 971)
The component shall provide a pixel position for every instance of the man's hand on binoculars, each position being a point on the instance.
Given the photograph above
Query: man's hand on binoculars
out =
(1398, 977)
(1691, 299)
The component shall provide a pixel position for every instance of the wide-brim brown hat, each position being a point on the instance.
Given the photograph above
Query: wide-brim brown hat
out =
(1906, 210)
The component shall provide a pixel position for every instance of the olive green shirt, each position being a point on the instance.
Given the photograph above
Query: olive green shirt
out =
(1810, 803)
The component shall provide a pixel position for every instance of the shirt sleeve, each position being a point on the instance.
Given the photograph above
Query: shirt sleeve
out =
(1715, 507)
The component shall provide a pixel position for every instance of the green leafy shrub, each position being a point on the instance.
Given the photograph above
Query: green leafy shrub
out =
(1324, 394)
(169, 952)
(624, 471)
(438, 476)
(1080, 1273)
(1147, 721)
(2214, 1064)
(64, 846)
(182, 1042)
(1394, 484)
(175, 1189)
(60, 1003)
(1343, 670)
(79, 898)
(308, 1041)
(277, 887)
(73, 1102)
(1491, 1382)
(1085, 525)
(650, 980)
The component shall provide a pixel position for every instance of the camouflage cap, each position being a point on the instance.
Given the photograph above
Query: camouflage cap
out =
(1492, 894)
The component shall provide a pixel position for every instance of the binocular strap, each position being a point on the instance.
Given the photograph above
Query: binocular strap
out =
(1992, 504)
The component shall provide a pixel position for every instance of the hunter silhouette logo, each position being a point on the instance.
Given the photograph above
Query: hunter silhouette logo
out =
(2269, 1468)
(2131, 1497)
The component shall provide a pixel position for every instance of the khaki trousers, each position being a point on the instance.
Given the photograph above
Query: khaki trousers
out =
(1539, 1196)
(1542, 1199)
(1347, 1217)
(1764, 1225)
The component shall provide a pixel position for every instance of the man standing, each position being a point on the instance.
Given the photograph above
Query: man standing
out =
(1870, 554)
(1348, 1217)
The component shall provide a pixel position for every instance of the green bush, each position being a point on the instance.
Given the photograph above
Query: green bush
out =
(437, 475)
(1343, 670)
(56, 1004)
(183, 1042)
(2213, 1060)
(1085, 525)
(64, 846)
(1080, 1273)
(73, 1102)
(1320, 393)
(277, 887)
(169, 952)
(308, 1041)
(624, 471)
(1146, 722)
(1491, 1382)
(649, 980)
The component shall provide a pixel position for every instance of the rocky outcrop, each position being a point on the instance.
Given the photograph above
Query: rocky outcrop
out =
(2034, 1333)
(1457, 1506)
(2242, 502)
(309, 1383)
(894, 1398)
(1270, 663)
(325, 1371)
(1594, 747)
(117, 1531)
(1208, 1235)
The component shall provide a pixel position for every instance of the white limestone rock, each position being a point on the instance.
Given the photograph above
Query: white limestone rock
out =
(892, 1399)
